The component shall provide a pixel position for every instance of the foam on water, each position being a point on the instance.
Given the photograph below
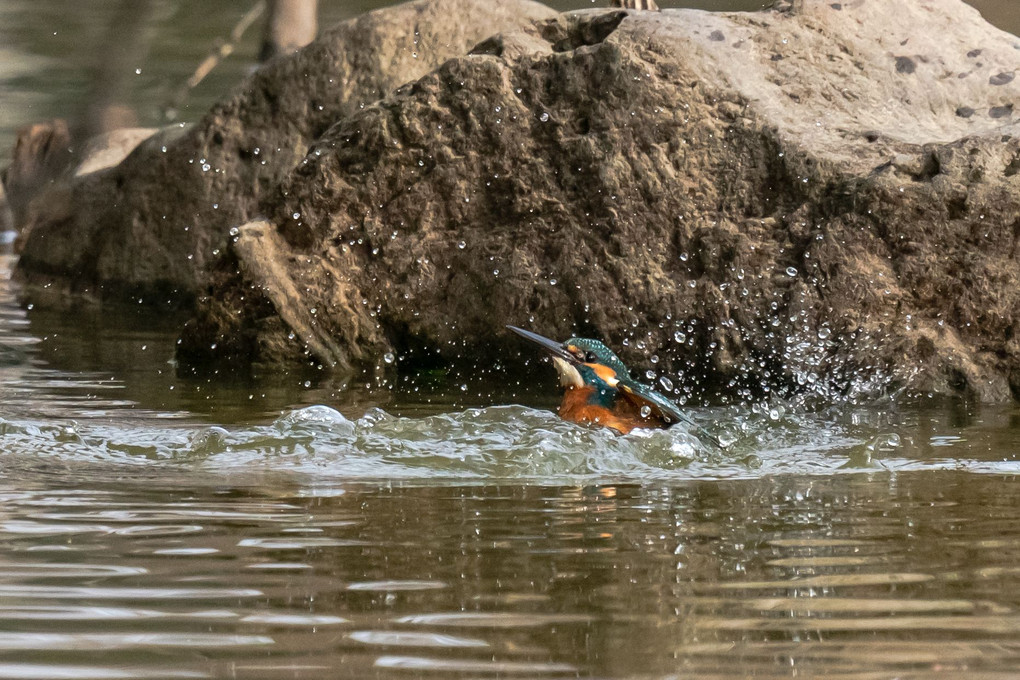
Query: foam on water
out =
(526, 444)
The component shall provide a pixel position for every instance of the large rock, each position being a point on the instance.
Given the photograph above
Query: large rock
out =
(823, 197)
(150, 227)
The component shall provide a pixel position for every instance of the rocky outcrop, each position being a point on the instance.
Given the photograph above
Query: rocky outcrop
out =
(820, 198)
(151, 227)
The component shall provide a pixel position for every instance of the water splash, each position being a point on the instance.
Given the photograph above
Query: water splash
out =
(523, 444)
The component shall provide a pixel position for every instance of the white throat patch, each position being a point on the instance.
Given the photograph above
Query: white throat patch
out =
(569, 377)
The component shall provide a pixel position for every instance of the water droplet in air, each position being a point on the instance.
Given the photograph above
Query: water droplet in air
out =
(666, 383)
(791, 271)
(388, 357)
(646, 411)
(544, 117)
(462, 245)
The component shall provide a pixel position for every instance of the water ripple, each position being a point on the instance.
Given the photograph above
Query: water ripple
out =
(493, 667)
(119, 641)
(492, 619)
(499, 442)
(100, 593)
(27, 671)
(389, 638)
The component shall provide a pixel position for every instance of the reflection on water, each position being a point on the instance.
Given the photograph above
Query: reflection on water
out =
(882, 575)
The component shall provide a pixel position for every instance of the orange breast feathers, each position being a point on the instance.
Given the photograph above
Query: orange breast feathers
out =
(576, 409)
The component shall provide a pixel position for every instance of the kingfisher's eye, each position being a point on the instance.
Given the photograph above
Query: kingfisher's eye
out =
(590, 357)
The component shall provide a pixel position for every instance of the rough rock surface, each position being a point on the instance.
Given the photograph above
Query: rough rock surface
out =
(40, 154)
(150, 227)
(823, 197)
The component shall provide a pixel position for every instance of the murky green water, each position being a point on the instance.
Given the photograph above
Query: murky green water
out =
(159, 527)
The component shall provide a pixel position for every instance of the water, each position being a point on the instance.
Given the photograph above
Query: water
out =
(154, 526)
(251, 576)
(160, 526)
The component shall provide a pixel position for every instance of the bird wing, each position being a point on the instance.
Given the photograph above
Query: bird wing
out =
(640, 396)
(663, 408)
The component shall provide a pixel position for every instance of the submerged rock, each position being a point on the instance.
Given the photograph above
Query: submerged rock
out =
(820, 198)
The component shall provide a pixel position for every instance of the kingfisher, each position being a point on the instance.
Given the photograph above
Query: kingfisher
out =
(599, 390)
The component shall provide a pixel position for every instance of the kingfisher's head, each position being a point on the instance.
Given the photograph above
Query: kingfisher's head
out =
(581, 362)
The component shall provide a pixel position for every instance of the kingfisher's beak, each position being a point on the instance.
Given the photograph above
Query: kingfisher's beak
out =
(556, 349)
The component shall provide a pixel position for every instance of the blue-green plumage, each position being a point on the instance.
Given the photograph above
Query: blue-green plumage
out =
(604, 394)
(600, 389)
(600, 354)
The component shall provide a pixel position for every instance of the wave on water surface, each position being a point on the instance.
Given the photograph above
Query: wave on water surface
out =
(523, 444)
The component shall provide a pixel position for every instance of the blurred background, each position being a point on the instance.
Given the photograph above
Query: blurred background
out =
(51, 51)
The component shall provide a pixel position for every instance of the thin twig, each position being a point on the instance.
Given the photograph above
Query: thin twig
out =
(221, 50)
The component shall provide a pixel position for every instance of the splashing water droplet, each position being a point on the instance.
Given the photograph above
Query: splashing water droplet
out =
(646, 411)
(666, 383)
(544, 117)
(791, 271)
(388, 357)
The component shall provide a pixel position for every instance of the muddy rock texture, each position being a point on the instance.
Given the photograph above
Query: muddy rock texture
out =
(150, 227)
(824, 197)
